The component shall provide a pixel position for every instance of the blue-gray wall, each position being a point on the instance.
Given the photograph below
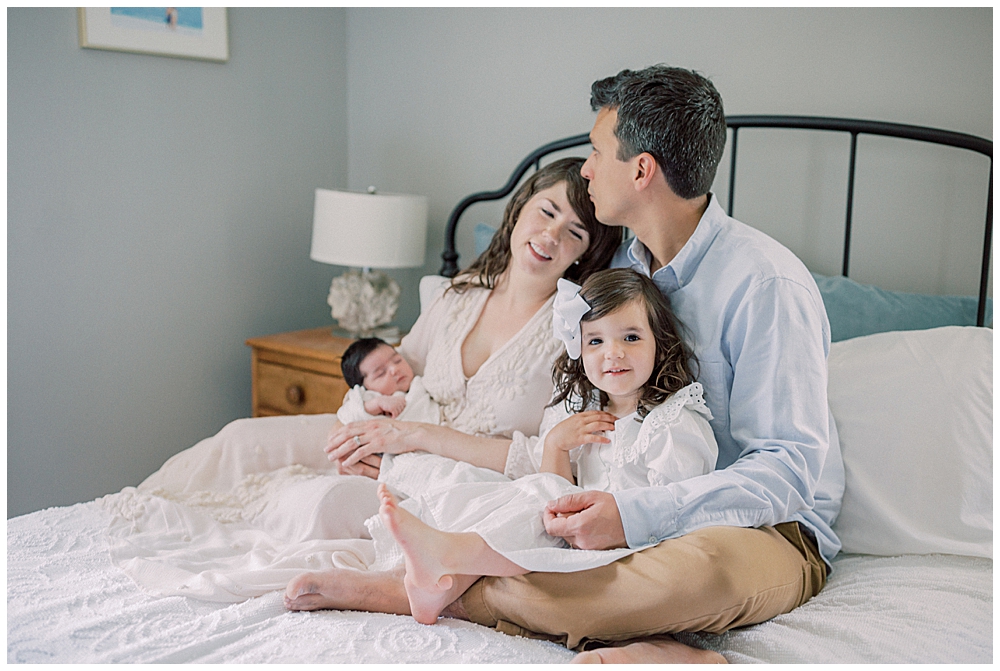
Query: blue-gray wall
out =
(159, 213)
(159, 210)
(445, 102)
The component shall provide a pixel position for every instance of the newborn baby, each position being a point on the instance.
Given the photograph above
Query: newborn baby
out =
(382, 384)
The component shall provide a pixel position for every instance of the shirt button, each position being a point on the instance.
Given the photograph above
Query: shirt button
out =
(652, 539)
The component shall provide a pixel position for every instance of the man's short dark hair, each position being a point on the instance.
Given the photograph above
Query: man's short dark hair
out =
(350, 361)
(671, 113)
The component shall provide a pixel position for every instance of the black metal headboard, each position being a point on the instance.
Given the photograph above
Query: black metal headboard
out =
(853, 126)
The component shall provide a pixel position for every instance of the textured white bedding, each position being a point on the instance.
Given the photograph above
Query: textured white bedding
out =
(66, 602)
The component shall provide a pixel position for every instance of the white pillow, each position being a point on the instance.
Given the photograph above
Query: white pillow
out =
(914, 410)
(431, 286)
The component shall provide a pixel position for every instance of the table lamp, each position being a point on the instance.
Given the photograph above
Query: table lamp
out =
(366, 231)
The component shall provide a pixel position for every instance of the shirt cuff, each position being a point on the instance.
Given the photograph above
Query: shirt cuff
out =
(649, 515)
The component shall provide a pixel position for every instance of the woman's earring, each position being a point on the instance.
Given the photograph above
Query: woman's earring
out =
(577, 262)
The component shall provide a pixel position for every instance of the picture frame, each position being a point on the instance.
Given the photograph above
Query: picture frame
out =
(182, 32)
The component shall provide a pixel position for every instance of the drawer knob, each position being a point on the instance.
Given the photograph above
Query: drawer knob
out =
(295, 395)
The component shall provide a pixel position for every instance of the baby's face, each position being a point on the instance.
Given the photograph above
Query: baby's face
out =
(386, 371)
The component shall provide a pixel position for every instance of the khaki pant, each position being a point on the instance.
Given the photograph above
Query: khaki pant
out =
(710, 580)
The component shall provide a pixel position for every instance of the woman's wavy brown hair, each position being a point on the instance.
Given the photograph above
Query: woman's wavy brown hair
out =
(604, 240)
(608, 291)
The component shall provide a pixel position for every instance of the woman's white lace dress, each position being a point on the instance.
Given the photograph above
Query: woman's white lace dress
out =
(242, 513)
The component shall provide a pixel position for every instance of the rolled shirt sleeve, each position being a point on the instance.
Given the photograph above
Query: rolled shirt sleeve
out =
(778, 376)
(760, 333)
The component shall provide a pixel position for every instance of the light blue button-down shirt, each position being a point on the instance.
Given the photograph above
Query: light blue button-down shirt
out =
(756, 322)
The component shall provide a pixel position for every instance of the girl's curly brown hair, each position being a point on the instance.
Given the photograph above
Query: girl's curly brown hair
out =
(604, 240)
(608, 291)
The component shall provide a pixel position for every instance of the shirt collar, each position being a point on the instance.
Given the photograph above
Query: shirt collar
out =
(682, 267)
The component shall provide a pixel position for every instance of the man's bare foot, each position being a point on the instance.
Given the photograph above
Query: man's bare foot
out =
(430, 582)
(664, 650)
(347, 589)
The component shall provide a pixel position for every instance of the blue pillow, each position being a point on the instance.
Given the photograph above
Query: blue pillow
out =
(858, 309)
(483, 235)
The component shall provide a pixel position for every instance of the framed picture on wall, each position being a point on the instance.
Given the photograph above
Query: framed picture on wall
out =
(183, 32)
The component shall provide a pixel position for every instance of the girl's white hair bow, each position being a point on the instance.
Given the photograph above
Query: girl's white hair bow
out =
(567, 309)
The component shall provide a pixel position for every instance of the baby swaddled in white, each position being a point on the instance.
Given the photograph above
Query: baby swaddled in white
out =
(383, 385)
(417, 404)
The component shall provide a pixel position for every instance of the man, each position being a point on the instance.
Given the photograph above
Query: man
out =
(740, 545)
(753, 539)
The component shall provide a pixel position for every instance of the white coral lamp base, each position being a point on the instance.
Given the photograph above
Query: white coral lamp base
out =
(364, 301)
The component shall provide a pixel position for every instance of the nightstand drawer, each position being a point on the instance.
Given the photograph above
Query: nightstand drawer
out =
(290, 391)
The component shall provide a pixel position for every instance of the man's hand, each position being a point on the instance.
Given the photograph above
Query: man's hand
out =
(589, 521)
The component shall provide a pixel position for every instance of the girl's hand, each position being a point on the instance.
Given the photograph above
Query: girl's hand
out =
(580, 429)
(351, 443)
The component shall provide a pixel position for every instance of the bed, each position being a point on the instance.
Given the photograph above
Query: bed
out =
(911, 392)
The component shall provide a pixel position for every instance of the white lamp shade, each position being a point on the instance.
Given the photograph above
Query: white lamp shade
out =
(364, 230)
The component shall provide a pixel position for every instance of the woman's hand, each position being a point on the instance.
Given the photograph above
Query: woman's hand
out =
(368, 467)
(358, 440)
(580, 429)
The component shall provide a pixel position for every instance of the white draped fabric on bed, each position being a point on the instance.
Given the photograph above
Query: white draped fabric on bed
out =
(235, 517)
(242, 513)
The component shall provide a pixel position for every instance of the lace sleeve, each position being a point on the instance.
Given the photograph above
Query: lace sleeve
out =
(676, 441)
(525, 454)
(519, 456)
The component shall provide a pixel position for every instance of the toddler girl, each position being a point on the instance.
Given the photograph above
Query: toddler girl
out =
(626, 374)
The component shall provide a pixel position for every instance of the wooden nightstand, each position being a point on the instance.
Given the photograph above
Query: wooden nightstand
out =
(297, 373)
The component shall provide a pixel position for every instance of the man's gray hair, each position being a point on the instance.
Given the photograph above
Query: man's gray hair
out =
(671, 113)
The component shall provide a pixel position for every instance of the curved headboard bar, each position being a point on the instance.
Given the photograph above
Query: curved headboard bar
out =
(922, 133)
(856, 127)
(853, 126)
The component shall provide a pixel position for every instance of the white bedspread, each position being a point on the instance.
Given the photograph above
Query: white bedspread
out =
(66, 602)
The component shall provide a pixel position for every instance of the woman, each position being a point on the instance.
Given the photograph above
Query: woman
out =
(485, 349)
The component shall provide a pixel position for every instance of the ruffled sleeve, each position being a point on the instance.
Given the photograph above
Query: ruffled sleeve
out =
(525, 454)
(519, 461)
(676, 439)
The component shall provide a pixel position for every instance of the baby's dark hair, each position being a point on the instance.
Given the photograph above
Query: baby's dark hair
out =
(350, 361)
(607, 291)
